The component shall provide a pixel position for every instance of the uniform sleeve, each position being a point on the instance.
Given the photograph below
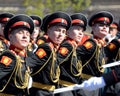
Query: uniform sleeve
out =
(112, 77)
(112, 48)
(86, 50)
(7, 64)
(40, 57)
(41, 40)
(64, 51)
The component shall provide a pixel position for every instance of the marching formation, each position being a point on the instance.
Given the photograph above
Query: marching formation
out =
(40, 55)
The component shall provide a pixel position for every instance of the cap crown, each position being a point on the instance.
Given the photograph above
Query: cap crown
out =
(4, 17)
(101, 17)
(18, 21)
(37, 20)
(79, 19)
(57, 18)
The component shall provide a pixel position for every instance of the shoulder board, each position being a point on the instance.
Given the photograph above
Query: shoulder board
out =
(7, 58)
(40, 53)
(41, 40)
(63, 51)
(113, 45)
(43, 50)
(65, 48)
(89, 43)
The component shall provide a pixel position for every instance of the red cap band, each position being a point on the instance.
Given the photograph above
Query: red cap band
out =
(36, 22)
(20, 23)
(77, 21)
(58, 20)
(113, 25)
(4, 19)
(101, 19)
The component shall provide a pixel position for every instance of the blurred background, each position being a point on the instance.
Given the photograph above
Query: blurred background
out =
(43, 7)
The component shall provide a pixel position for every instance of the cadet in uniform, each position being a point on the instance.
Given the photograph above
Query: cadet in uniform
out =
(112, 32)
(112, 53)
(14, 72)
(4, 17)
(92, 53)
(37, 23)
(43, 39)
(79, 22)
(106, 79)
(112, 90)
(114, 29)
(70, 67)
(44, 64)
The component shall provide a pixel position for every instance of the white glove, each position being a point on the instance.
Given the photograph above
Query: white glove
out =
(93, 83)
(30, 82)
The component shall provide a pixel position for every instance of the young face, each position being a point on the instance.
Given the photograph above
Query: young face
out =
(57, 34)
(20, 38)
(113, 31)
(1, 29)
(75, 33)
(100, 30)
(35, 33)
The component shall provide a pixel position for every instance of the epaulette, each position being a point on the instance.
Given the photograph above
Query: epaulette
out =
(87, 50)
(7, 68)
(113, 49)
(90, 43)
(7, 63)
(41, 57)
(65, 48)
(41, 40)
(113, 45)
(65, 51)
(7, 58)
(43, 50)
(89, 53)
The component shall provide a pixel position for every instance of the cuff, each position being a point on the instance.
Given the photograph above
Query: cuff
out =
(110, 78)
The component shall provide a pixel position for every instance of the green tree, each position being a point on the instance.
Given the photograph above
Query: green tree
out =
(78, 5)
(34, 7)
(42, 7)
